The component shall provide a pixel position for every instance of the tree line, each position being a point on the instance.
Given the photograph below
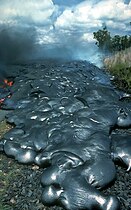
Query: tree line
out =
(109, 43)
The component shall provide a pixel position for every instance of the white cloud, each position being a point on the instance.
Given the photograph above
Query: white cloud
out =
(38, 12)
(84, 17)
(87, 15)
(69, 27)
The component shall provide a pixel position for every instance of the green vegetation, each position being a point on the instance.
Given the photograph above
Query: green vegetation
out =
(119, 63)
(109, 43)
(119, 66)
(5, 174)
(9, 171)
(4, 127)
(4, 207)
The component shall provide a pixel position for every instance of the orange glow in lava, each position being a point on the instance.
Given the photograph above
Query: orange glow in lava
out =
(9, 83)
(5, 83)
(2, 100)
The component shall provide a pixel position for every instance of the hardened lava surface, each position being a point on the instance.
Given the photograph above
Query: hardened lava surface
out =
(70, 121)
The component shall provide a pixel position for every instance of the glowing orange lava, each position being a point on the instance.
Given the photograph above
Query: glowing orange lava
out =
(5, 84)
(9, 83)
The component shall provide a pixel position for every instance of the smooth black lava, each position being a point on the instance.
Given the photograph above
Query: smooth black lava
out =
(65, 118)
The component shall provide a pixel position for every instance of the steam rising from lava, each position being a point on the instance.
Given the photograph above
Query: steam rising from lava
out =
(16, 44)
(19, 44)
(55, 29)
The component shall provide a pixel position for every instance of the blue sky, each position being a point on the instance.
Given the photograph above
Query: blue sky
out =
(67, 24)
(67, 2)
(68, 15)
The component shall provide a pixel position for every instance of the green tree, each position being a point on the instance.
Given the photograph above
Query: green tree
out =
(112, 44)
(103, 38)
(116, 43)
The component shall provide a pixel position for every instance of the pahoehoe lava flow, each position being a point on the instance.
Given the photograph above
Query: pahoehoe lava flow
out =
(66, 117)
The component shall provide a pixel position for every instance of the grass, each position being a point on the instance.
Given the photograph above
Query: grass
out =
(10, 174)
(119, 65)
(4, 207)
(9, 171)
(4, 127)
(4, 169)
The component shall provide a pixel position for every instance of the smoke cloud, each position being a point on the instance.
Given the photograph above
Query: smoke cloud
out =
(55, 29)
(16, 44)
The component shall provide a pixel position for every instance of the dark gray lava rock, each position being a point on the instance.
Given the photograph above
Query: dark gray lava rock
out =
(64, 117)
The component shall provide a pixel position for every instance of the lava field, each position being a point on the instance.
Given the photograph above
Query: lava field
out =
(74, 124)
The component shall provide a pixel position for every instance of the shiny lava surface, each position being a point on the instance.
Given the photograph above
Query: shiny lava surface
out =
(66, 119)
